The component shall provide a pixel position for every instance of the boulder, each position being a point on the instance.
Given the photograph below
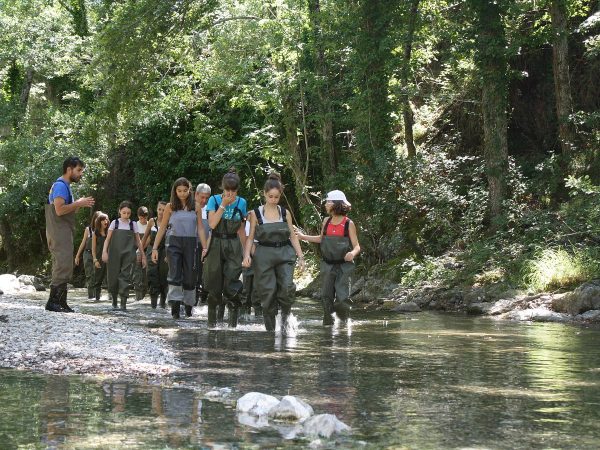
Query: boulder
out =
(479, 308)
(9, 283)
(502, 306)
(586, 297)
(253, 421)
(256, 403)
(407, 307)
(291, 409)
(592, 315)
(324, 425)
(31, 280)
(538, 315)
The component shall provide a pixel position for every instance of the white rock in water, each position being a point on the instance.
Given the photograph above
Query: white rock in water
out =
(324, 425)
(256, 403)
(213, 394)
(9, 284)
(292, 409)
(288, 431)
(225, 391)
(27, 289)
(252, 420)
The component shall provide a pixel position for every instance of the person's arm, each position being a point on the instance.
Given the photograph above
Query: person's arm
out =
(105, 249)
(161, 232)
(62, 209)
(247, 262)
(354, 241)
(147, 233)
(200, 228)
(241, 232)
(138, 242)
(295, 242)
(316, 239)
(81, 246)
(94, 247)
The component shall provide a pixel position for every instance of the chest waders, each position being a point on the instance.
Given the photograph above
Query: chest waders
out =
(121, 257)
(201, 293)
(223, 267)
(335, 292)
(182, 240)
(140, 276)
(273, 265)
(157, 272)
(59, 235)
(88, 264)
(99, 273)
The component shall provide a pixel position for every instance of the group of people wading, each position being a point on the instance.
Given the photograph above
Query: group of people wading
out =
(196, 249)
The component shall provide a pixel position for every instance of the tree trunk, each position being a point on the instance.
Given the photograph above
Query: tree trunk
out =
(24, 100)
(407, 112)
(562, 80)
(7, 243)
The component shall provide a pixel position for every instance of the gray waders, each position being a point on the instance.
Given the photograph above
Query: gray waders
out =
(139, 276)
(273, 266)
(121, 257)
(335, 291)
(157, 272)
(59, 234)
(222, 270)
(88, 264)
(99, 274)
(182, 241)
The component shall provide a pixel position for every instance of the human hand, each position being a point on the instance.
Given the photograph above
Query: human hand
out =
(77, 260)
(301, 263)
(85, 202)
(349, 257)
(228, 198)
(143, 261)
(154, 256)
(298, 232)
(247, 262)
(204, 253)
(97, 264)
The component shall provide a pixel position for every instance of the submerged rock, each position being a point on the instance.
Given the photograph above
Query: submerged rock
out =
(538, 315)
(256, 403)
(324, 425)
(291, 408)
(586, 297)
(407, 307)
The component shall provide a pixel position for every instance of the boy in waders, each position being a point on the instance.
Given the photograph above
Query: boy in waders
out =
(223, 262)
(157, 272)
(60, 222)
(201, 197)
(185, 227)
(277, 247)
(85, 248)
(339, 246)
(98, 238)
(139, 276)
(119, 254)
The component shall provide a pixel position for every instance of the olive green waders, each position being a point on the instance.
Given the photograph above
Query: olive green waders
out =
(121, 257)
(88, 264)
(222, 269)
(273, 266)
(336, 273)
(59, 235)
(157, 272)
(99, 273)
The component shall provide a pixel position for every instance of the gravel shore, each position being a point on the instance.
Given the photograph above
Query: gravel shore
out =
(92, 341)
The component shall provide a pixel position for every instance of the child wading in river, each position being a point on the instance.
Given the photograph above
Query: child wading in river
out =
(98, 238)
(85, 249)
(159, 270)
(140, 276)
(185, 226)
(339, 246)
(119, 254)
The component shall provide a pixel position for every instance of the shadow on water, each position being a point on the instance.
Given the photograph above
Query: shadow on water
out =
(421, 381)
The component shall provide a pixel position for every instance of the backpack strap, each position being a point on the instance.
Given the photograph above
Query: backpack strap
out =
(258, 215)
(283, 214)
(116, 224)
(131, 225)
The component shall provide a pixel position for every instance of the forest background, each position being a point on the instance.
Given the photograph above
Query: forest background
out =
(466, 133)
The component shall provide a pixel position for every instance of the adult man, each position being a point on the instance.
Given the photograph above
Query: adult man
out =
(201, 197)
(60, 223)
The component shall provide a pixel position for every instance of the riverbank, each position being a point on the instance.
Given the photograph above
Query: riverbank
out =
(92, 342)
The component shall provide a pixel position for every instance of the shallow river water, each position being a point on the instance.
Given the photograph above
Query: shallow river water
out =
(421, 380)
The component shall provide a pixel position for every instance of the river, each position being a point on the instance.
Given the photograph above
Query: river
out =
(423, 380)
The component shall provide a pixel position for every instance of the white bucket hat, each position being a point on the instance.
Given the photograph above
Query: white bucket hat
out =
(337, 196)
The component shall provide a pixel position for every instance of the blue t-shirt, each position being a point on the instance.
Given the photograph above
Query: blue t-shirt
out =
(215, 201)
(60, 188)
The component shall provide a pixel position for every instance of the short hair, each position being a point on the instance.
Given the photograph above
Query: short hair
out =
(142, 211)
(203, 188)
(72, 161)
(125, 204)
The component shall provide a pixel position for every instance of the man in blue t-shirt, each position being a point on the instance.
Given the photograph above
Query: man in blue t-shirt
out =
(60, 211)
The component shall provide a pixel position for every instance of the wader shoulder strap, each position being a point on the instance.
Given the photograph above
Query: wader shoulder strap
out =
(131, 225)
(258, 215)
(324, 231)
(283, 214)
(347, 228)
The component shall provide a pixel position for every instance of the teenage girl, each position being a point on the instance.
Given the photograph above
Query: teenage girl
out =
(98, 238)
(86, 248)
(157, 272)
(140, 277)
(119, 254)
(339, 246)
(184, 223)
(273, 262)
(223, 263)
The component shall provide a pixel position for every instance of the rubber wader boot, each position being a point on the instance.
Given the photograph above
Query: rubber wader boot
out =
(188, 310)
(270, 322)
(327, 318)
(175, 310)
(123, 303)
(163, 300)
(233, 317)
(114, 302)
(62, 297)
(153, 300)
(258, 311)
(52, 304)
(220, 313)
(285, 315)
(212, 316)
(97, 293)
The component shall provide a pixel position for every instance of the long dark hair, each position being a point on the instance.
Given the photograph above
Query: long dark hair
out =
(231, 180)
(175, 203)
(98, 224)
(93, 219)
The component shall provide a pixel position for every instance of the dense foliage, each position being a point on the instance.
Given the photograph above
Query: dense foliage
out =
(443, 121)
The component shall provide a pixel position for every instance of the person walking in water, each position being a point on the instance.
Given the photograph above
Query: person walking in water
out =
(223, 263)
(277, 248)
(339, 246)
(60, 213)
(185, 226)
(98, 238)
(159, 270)
(139, 275)
(85, 249)
(119, 254)
(201, 197)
